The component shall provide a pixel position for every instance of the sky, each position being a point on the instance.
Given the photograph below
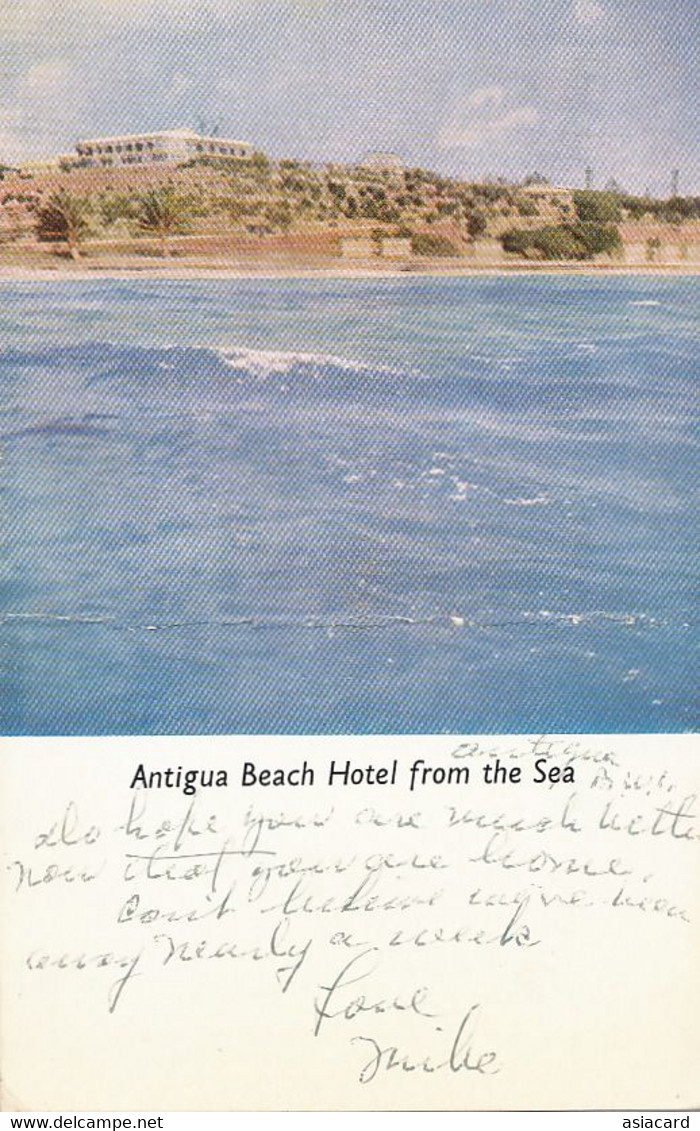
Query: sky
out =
(473, 88)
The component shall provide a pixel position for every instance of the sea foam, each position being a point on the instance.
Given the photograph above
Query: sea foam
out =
(266, 363)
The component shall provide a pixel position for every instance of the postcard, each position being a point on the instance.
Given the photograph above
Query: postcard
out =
(348, 355)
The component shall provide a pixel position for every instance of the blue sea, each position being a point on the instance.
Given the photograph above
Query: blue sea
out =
(363, 505)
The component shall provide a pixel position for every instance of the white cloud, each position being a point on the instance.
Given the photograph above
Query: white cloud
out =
(475, 120)
(38, 22)
(486, 96)
(589, 11)
(47, 104)
(48, 79)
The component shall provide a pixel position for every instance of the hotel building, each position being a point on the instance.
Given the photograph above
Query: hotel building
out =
(164, 147)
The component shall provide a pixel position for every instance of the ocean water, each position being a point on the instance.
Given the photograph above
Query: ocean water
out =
(320, 506)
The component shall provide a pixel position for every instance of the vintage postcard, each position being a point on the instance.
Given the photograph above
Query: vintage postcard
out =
(348, 692)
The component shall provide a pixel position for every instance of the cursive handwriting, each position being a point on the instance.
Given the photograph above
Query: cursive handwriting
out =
(401, 938)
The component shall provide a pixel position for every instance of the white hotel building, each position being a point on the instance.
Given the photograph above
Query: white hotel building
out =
(164, 147)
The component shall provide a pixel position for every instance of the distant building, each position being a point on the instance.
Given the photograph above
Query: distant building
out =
(383, 163)
(164, 147)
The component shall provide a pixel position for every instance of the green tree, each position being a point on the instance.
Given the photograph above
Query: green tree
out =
(517, 241)
(653, 247)
(563, 241)
(560, 242)
(64, 218)
(598, 239)
(594, 207)
(677, 209)
(476, 224)
(163, 213)
(638, 206)
(552, 242)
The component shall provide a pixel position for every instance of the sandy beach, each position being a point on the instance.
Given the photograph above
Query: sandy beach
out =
(83, 271)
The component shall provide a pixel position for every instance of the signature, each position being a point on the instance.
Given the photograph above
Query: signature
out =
(464, 1054)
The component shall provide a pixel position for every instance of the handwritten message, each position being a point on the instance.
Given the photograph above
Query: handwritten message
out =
(515, 923)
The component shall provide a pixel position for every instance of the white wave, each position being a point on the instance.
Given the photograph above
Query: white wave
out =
(644, 302)
(267, 363)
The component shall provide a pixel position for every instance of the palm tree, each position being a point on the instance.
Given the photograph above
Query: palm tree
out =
(64, 217)
(164, 213)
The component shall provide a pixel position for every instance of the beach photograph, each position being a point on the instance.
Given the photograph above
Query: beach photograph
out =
(348, 356)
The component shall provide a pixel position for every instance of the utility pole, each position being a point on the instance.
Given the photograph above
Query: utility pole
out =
(589, 178)
(675, 180)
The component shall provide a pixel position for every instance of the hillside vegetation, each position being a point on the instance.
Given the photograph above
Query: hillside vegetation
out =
(256, 200)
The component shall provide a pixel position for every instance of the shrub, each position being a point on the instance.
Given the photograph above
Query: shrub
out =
(517, 241)
(563, 241)
(431, 244)
(476, 224)
(117, 206)
(560, 242)
(279, 216)
(598, 239)
(598, 207)
(653, 247)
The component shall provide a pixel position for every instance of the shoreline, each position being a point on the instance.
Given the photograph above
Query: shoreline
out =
(361, 270)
